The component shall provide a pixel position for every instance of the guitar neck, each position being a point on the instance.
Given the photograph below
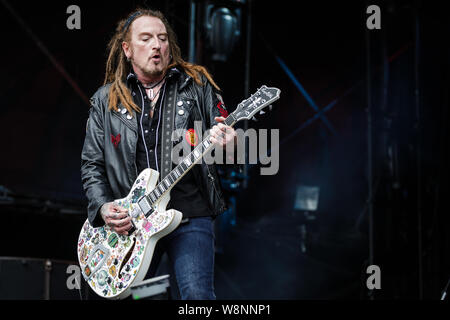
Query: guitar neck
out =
(245, 110)
(169, 181)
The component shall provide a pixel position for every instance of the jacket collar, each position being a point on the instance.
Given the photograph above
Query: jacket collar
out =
(173, 73)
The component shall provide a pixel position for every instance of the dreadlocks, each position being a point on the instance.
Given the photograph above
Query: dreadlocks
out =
(117, 66)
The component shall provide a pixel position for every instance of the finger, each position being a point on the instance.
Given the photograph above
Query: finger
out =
(126, 226)
(120, 222)
(221, 131)
(231, 133)
(219, 141)
(215, 140)
(215, 128)
(123, 229)
(124, 233)
(228, 138)
(117, 216)
(223, 127)
(220, 135)
(118, 208)
(219, 119)
(215, 132)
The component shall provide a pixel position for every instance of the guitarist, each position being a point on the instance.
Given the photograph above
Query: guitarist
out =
(124, 136)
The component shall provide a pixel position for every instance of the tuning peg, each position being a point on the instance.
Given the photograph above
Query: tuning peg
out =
(254, 119)
(262, 112)
(270, 108)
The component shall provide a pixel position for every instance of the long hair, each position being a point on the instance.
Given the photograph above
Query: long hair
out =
(117, 66)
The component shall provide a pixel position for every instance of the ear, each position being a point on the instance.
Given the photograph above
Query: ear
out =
(126, 49)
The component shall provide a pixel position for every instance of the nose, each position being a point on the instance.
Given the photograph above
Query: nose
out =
(157, 44)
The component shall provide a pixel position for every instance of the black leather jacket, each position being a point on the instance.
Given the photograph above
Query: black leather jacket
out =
(109, 170)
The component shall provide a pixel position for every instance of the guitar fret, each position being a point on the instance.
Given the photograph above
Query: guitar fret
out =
(156, 192)
(152, 196)
(167, 182)
(187, 162)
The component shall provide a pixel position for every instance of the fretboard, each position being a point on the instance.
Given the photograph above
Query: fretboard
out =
(169, 181)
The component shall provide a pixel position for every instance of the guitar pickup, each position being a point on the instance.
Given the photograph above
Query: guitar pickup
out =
(145, 205)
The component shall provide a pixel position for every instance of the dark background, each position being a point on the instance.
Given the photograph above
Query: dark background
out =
(390, 89)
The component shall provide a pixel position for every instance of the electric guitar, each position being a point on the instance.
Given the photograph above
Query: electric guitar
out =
(112, 263)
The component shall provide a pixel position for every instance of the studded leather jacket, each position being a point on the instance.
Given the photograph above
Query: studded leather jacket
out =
(108, 158)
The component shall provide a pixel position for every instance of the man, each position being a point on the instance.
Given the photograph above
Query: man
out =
(145, 76)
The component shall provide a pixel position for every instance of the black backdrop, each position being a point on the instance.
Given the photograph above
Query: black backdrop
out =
(324, 45)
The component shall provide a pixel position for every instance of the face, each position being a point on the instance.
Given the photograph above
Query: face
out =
(148, 49)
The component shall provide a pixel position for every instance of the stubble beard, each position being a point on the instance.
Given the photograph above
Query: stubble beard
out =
(154, 71)
(151, 71)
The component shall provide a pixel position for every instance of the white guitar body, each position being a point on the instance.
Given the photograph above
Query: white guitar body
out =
(110, 262)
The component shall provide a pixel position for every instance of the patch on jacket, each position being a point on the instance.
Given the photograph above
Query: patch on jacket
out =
(221, 105)
(115, 140)
(191, 137)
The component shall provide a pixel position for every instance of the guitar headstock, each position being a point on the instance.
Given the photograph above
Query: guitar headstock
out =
(257, 101)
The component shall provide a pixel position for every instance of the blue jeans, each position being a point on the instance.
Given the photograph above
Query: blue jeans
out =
(190, 251)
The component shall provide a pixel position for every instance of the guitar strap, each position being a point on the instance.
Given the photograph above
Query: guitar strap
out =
(168, 119)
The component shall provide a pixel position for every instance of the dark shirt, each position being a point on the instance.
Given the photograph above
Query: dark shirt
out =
(185, 196)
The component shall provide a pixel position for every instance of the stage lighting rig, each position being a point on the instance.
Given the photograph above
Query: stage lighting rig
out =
(223, 20)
